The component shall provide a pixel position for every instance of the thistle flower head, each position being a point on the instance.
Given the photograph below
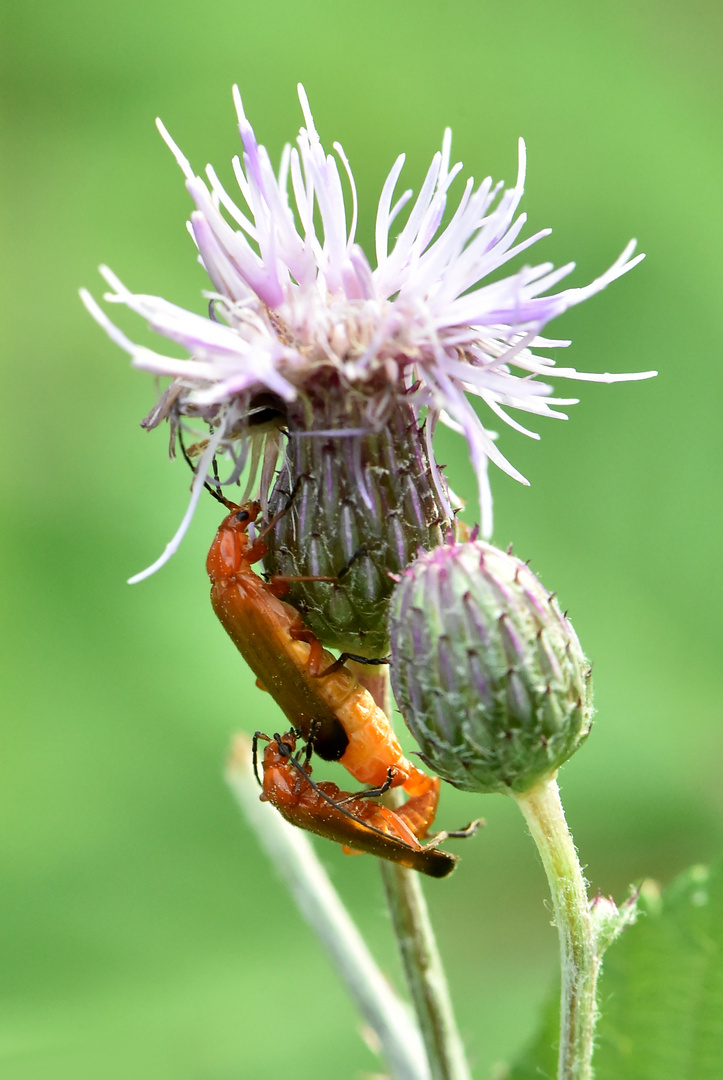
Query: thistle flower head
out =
(296, 305)
(487, 671)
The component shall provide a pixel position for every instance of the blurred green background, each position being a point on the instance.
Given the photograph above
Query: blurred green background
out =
(144, 935)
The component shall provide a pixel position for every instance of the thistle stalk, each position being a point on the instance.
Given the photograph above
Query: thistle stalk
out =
(426, 980)
(492, 681)
(580, 951)
(300, 869)
(424, 973)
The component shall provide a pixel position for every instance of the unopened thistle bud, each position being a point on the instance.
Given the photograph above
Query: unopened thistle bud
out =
(487, 671)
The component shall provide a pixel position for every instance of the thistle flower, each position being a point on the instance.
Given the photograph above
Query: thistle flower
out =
(298, 315)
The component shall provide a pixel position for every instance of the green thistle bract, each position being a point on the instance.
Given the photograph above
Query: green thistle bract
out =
(365, 505)
(487, 671)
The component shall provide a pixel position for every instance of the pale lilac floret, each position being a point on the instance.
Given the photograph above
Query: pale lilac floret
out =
(293, 299)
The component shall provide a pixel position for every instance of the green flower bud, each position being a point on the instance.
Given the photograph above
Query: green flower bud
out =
(487, 671)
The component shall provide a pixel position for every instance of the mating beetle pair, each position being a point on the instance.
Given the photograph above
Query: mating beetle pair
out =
(328, 708)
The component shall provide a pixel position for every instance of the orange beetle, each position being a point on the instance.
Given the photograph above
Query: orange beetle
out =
(317, 694)
(355, 820)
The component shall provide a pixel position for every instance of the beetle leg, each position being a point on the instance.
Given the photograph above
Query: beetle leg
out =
(457, 834)
(309, 746)
(463, 834)
(279, 583)
(373, 793)
(363, 550)
(298, 631)
(343, 657)
(254, 753)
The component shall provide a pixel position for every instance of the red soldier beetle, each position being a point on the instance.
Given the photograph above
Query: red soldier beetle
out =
(316, 692)
(354, 820)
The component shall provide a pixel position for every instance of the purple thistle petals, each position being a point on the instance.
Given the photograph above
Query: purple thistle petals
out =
(354, 200)
(217, 263)
(256, 274)
(300, 297)
(113, 332)
(385, 213)
(192, 331)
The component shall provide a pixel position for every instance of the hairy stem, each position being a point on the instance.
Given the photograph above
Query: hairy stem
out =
(417, 944)
(580, 954)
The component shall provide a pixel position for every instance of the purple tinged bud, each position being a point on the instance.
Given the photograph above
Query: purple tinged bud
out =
(487, 671)
(519, 705)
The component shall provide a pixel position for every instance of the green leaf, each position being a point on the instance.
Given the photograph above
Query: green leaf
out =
(660, 994)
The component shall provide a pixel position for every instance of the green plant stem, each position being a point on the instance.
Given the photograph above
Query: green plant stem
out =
(421, 961)
(297, 864)
(580, 955)
(424, 973)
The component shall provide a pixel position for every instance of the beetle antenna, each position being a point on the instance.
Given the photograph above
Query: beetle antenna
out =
(287, 506)
(217, 478)
(216, 492)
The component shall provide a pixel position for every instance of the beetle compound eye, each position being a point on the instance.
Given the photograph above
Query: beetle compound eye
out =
(243, 515)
